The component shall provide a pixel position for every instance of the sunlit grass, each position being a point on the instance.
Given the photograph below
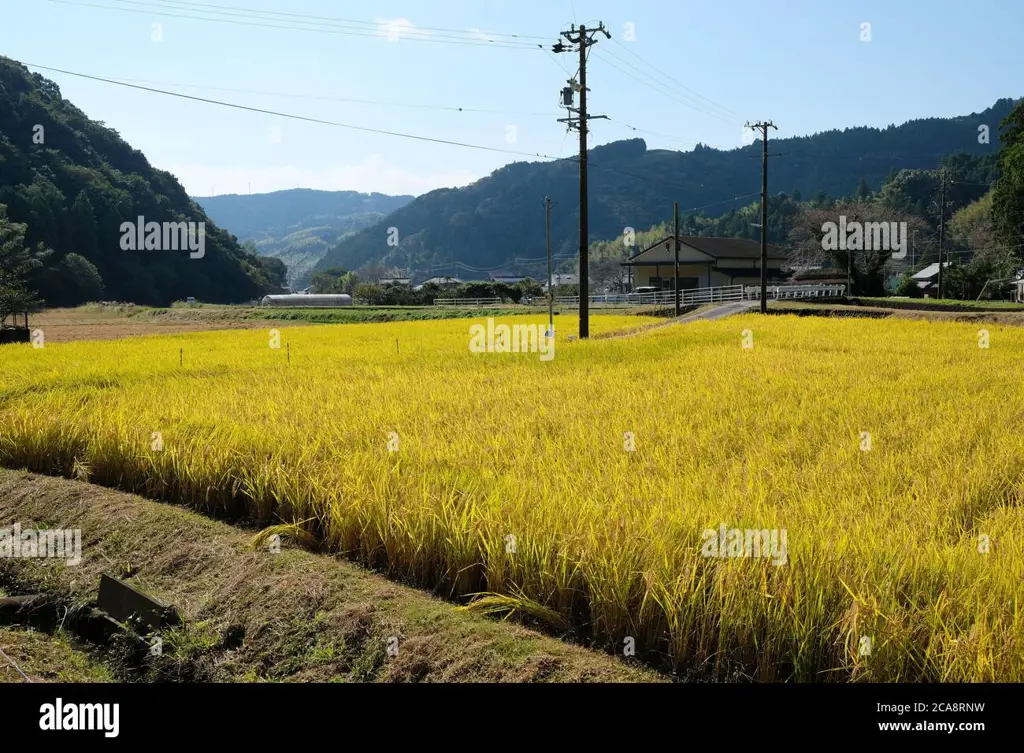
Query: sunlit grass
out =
(883, 544)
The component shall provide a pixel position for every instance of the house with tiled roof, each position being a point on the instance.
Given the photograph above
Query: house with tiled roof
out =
(704, 263)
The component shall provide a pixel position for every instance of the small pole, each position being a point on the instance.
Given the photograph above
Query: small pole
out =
(396, 345)
(181, 356)
(675, 285)
(547, 243)
(288, 349)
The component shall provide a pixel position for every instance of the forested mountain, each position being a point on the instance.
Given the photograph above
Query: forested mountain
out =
(500, 218)
(69, 183)
(298, 226)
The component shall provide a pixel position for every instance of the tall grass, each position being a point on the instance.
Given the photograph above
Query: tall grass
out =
(886, 577)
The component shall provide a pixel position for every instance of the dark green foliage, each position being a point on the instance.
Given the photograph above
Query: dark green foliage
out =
(75, 280)
(907, 287)
(334, 281)
(72, 182)
(1008, 195)
(18, 263)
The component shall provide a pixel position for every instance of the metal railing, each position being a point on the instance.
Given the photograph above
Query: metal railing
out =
(467, 301)
(690, 297)
(782, 292)
(662, 297)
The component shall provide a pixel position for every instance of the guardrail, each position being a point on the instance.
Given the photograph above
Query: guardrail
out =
(665, 297)
(467, 301)
(690, 297)
(782, 292)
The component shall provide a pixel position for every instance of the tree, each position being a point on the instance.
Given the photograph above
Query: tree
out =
(971, 226)
(863, 191)
(869, 266)
(17, 263)
(1008, 193)
(83, 226)
(529, 288)
(334, 280)
(75, 280)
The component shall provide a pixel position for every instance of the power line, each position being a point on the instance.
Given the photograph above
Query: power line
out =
(449, 108)
(644, 130)
(677, 83)
(334, 29)
(332, 18)
(294, 117)
(367, 129)
(666, 90)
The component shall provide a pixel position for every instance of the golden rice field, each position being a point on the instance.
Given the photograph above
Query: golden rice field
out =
(891, 453)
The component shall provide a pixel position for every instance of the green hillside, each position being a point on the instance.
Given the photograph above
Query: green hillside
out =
(500, 218)
(69, 183)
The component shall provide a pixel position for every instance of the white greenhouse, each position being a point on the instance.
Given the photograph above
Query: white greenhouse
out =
(296, 300)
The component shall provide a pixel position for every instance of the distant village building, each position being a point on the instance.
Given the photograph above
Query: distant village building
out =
(927, 280)
(395, 281)
(506, 277)
(704, 263)
(1018, 287)
(565, 279)
(441, 282)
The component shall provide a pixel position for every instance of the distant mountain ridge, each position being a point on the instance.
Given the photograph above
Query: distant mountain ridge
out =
(499, 219)
(298, 226)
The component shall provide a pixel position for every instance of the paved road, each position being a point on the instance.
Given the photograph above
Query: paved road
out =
(719, 312)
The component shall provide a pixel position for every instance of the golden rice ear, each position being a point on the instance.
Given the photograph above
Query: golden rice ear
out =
(493, 605)
(81, 470)
(293, 531)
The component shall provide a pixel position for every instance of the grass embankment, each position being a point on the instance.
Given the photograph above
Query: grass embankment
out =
(579, 490)
(937, 304)
(254, 615)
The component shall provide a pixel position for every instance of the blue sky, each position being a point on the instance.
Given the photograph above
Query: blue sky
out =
(801, 63)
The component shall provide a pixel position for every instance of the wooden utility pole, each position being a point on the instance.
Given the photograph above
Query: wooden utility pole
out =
(551, 287)
(583, 39)
(675, 214)
(763, 128)
(942, 221)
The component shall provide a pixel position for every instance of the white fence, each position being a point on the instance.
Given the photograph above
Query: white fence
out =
(781, 292)
(724, 294)
(666, 297)
(467, 302)
(691, 297)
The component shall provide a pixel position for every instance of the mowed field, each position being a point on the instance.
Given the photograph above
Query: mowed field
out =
(887, 455)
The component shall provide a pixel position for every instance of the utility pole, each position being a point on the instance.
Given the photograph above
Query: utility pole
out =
(763, 128)
(942, 221)
(675, 212)
(583, 39)
(551, 288)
